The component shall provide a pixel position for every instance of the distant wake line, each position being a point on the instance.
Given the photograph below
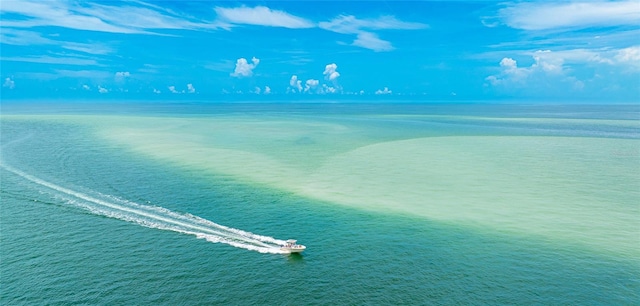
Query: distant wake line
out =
(160, 218)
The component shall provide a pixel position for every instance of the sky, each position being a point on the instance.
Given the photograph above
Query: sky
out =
(550, 51)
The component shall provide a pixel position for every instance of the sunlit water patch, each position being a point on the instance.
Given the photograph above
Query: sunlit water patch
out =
(580, 190)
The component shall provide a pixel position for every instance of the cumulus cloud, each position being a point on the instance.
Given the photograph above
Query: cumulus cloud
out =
(629, 57)
(508, 63)
(572, 72)
(261, 15)
(244, 68)
(510, 71)
(295, 84)
(314, 86)
(384, 91)
(311, 85)
(330, 72)
(156, 91)
(172, 89)
(102, 89)
(328, 89)
(576, 14)
(121, 76)
(547, 72)
(86, 87)
(258, 90)
(631, 54)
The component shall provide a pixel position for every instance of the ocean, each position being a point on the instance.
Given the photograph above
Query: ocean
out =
(397, 204)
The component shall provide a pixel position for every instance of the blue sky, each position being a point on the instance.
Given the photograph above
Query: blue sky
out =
(427, 50)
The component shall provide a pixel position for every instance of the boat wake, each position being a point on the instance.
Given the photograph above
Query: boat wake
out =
(157, 217)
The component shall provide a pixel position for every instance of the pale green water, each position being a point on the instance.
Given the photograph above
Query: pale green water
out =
(442, 205)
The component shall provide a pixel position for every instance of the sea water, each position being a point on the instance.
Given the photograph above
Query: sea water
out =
(396, 203)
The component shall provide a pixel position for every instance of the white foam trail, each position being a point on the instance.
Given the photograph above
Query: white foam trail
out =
(161, 218)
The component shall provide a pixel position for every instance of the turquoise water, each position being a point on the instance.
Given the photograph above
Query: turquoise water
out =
(397, 204)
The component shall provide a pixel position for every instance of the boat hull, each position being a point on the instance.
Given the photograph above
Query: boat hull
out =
(293, 250)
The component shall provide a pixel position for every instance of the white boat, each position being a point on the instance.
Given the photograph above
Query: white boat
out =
(292, 247)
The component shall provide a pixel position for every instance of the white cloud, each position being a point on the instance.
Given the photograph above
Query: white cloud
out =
(576, 14)
(330, 72)
(311, 85)
(172, 89)
(593, 57)
(510, 72)
(86, 87)
(121, 76)
(573, 73)
(631, 54)
(372, 41)
(349, 24)
(579, 56)
(508, 63)
(257, 90)
(328, 89)
(629, 57)
(295, 83)
(267, 90)
(547, 71)
(23, 38)
(142, 18)
(552, 69)
(9, 83)
(261, 15)
(28, 38)
(547, 62)
(509, 69)
(55, 13)
(102, 89)
(156, 91)
(94, 17)
(384, 91)
(315, 86)
(244, 68)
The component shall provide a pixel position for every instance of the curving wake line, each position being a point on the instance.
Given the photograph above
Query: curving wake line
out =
(159, 217)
